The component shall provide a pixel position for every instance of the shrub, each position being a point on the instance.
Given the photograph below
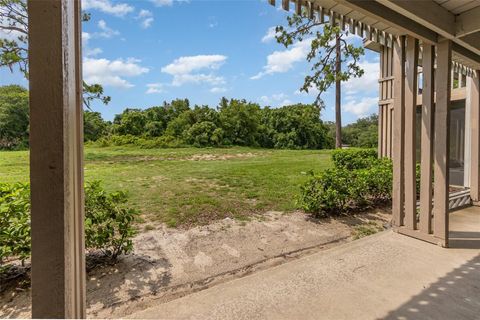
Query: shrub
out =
(354, 158)
(14, 221)
(108, 221)
(326, 192)
(337, 190)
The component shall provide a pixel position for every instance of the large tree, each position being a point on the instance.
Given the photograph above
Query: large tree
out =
(14, 45)
(333, 58)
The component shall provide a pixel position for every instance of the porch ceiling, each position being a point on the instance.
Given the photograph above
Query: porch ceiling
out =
(427, 20)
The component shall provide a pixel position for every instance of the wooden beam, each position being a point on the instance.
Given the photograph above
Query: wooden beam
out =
(427, 13)
(56, 173)
(411, 90)
(428, 60)
(386, 15)
(467, 22)
(466, 54)
(473, 98)
(431, 16)
(398, 131)
(442, 140)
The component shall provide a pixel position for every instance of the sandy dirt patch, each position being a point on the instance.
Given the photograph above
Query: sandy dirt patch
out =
(170, 263)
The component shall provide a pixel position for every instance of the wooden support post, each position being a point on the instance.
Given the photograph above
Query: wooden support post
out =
(442, 140)
(398, 131)
(56, 168)
(428, 90)
(473, 98)
(411, 89)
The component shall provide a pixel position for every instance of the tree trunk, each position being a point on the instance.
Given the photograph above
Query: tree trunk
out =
(338, 96)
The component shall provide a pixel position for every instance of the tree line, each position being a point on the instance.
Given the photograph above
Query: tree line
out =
(175, 123)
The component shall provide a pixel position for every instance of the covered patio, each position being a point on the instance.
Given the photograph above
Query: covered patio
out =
(384, 276)
(434, 35)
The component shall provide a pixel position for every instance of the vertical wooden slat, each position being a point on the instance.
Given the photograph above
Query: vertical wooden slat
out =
(428, 60)
(390, 132)
(58, 270)
(398, 130)
(474, 99)
(442, 141)
(381, 151)
(387, 122)
(411, 67)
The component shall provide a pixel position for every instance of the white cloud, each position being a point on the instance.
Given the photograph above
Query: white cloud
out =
(184, 65)
(218, 90)
(187, 69)
(212, 22)
(270, 35)
(360, 108)
(92, 52)
(106, 6)
(162, 3)
(282, 61)
(106, 32)
(312, 91)
(112, 73)
(211, 79)
(146, 18)
(86, 36)
(276, 99)
(366, 83)
(155, 88)
(87, 51)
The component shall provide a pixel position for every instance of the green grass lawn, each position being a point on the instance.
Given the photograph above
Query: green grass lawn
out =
(189, 186)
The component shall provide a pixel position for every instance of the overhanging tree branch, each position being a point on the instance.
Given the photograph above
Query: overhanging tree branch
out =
(14, 45)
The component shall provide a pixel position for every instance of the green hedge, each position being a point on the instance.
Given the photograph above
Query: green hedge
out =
(354, 158)
(108, 221)
(358, 180)
(337, 190)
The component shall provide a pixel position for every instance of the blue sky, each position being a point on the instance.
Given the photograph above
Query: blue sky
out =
(147, 51)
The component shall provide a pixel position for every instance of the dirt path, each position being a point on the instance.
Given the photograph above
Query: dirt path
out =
(170, 263)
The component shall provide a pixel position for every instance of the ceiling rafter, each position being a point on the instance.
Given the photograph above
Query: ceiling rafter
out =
(394, 21)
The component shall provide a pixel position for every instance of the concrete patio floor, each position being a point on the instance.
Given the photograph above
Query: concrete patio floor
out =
(384, 276)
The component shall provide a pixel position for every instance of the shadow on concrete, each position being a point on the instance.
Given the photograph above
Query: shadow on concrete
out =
(454, 296)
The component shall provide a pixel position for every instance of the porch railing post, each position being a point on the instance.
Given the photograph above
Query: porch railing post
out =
(398, 142)
(473, 98)
(411, 91)
(428, 59)
(56, 173)
(442, 141)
